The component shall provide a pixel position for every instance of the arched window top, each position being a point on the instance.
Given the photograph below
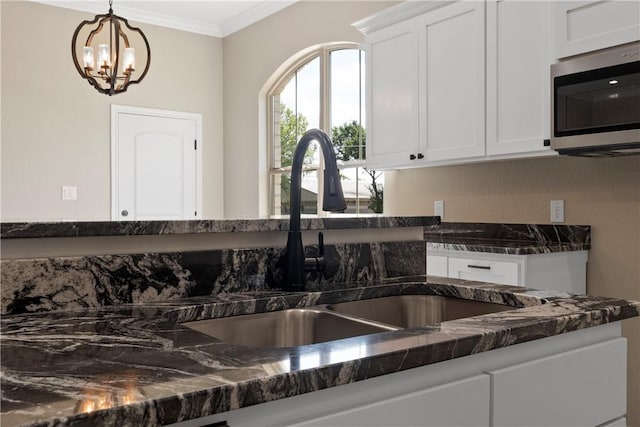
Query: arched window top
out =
(321, 87)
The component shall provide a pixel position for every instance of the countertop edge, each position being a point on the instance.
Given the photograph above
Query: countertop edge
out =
(27, 230)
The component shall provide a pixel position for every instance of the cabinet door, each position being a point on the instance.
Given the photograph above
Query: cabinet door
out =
(518, 61)
(583, 387)
(452, 81)
(583, 26)
(462, 403)
(392, 88)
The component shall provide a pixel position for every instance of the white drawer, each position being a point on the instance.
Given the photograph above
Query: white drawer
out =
(484, 270)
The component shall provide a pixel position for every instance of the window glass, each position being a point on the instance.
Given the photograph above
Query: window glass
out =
(297, 107)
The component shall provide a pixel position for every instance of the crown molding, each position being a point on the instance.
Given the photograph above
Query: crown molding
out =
(253, 15)
(398, 13)
(256, 13)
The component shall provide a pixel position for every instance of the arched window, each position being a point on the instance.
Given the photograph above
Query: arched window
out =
(324, 89)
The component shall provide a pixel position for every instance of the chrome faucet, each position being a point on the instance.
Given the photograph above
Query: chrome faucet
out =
(333, 201)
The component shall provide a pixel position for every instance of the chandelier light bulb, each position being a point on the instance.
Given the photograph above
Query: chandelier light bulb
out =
(104, 56)
(87, 55)
(129, 60)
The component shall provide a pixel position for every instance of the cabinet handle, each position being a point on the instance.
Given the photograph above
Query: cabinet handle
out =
(546, 142)
(412, 156)
(481, 267)
(420, 156)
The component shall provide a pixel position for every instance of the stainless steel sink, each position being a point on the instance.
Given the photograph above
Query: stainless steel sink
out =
(285, 328)
(407, 311)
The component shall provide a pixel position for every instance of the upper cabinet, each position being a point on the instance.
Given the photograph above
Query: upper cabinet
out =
(451, 82)
(392, 108)
(584, 26)
(518, 60)
(480, 82)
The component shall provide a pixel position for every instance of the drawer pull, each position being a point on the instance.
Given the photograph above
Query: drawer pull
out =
(481, 267)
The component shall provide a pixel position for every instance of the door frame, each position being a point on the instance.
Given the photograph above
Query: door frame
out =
(116, 110)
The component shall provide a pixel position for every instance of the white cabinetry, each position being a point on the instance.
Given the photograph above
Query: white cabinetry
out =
(392, 108)
(451, 73)
(518, 59)
(537, 393)
(437, 406)
(560, 271)
(477, 99)
(584, 26)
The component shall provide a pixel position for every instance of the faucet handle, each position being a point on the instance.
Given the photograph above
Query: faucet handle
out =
(317, 263)
(321, 244)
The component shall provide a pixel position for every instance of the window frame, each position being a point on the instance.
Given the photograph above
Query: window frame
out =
(323, 53)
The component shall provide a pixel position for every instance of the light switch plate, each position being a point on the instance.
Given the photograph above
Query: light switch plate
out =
(69, 192)
(557, 211)
(438, 208)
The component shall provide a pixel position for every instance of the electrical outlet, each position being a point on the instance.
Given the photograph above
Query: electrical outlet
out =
(438, 208)
(557, 211)
(69, 192)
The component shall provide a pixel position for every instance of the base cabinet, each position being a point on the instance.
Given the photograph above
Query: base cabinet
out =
(573, 379)
(438, 406)
(559, 271)
(537, 392)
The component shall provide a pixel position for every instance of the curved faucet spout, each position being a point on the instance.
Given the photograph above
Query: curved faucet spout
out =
(333, 201)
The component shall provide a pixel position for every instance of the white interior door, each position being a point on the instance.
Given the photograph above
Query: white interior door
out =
(156, 165)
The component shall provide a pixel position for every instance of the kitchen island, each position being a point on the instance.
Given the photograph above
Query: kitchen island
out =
(137, 365)
(103, 338)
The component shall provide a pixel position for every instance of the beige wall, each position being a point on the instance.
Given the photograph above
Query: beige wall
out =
(603, 193)
(56, 127)
(251, 57)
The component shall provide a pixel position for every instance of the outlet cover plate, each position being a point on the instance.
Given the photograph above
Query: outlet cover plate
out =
(438, 208)
(69, 192)
(557, 211)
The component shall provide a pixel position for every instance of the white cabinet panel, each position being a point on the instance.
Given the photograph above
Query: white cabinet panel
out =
(620, 422)
(438, 406)
(584, 26)
(437, 265)
(539, 392)
(518, 60)
(451, 75)
(506, 273)
(392, 88)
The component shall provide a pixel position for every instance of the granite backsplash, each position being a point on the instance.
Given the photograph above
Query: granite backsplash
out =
(48, 284)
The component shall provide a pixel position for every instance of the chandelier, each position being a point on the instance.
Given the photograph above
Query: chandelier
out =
(108, 57)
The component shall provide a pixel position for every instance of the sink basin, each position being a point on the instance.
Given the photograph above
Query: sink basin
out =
(407, 311)
(285, 328)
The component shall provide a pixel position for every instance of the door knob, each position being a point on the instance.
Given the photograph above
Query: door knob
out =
(124, 212)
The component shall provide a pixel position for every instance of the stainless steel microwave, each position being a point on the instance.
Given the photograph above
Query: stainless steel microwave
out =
(595, 103)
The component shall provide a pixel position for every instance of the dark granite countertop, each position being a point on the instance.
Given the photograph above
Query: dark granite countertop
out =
(23, 230)
(153, 370)
(510, 239)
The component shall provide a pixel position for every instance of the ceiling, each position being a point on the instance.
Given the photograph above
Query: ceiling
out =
(217, 18)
